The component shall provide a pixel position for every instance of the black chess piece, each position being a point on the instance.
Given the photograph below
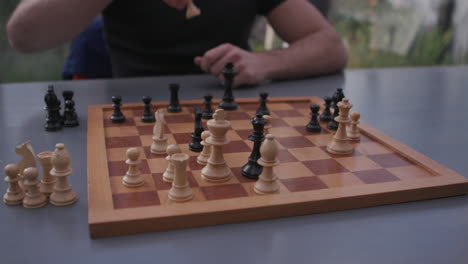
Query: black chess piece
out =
(117, 115)
(70, 118)
(263, 107)
(174, 106)
(333, 125)
(195, 145)
(314, 125)
(54, 120)
(252, 169)
(326, 115)
(228, 102)
(148, 115)
(339, 94)
(208, 112)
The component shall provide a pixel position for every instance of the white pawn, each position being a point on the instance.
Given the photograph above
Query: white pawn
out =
(353, 130)
(63, 193)
(133, 177)
(159, 144)
(14, 194)
(267, 181)
(180, 190)
(33, 197)
(206, 152)
(168, 175)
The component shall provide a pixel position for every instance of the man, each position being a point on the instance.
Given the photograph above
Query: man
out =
(151, 37)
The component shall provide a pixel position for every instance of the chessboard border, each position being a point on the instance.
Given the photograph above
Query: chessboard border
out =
(105, 221)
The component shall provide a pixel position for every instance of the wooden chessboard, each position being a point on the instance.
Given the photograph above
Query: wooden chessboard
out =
(381, 171)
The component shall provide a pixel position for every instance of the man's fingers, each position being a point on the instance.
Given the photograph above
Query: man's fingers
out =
(233, 56)
(197, 60)
(213, 55)
(179, 4)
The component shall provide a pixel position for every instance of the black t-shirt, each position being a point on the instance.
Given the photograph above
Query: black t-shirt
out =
(147, 37)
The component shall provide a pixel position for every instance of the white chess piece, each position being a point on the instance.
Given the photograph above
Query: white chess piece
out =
(28, 159)
(133, 177)
(340, 142)
(48, 181)
(353, 130)
(267, 181)
(206, 152)
(180, 190)
(168, 175)
(159, 144)
(63, 193)
(14, 194)
(268, 124)
(33, 197)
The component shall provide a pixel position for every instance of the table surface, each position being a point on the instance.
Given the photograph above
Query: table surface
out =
(424, 108)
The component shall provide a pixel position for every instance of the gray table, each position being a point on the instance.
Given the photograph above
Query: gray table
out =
(424, 108)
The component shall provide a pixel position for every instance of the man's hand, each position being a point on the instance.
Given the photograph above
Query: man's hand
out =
(250, 66)
(179, 4)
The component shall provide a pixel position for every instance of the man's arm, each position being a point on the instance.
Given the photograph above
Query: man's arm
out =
(315, 48)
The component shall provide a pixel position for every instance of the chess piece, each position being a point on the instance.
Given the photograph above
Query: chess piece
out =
(267, 181)
(53, 119)
(148, 116)
(168, 175)
(339, 94)
(326, 115)
(263, 107)
(216, 170)
(63, 193)
(208, 112)
(14, 194)
(117, 115)
(333, 125)
(48, 181)
(252, 169)
(340, 143)
(133, 177)
(174, 105)
(33, 198)
(206, 152)
(28, 159)
(159, 144)
(228, 102)
(192, 10)
(353, 130)
(314, 125)
(268, 124)
(70, 118)
(195, 145)
(180, 190)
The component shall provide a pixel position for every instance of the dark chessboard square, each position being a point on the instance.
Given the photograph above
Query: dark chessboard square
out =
(184, 118)
(128, 122)
(148, 130)
(303, 184)
(376, 176)
(276, 122)
(193, 164)
(300, 105)
(244, 133)
(303, 131)
(249, 106)
(287, 113)
(119, 168)
(149, 155)
(224, 191)
(285, 156)
(123, 142)
(237, 116)
(135, 199)
(160, 183)
(236, 146)
(182, 138)
(390, 160)
(324, 166)
(237, 172)
(295, 142)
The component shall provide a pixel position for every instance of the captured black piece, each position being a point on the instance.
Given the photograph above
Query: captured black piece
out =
(174, 106)
(54, 120)
(70, 118)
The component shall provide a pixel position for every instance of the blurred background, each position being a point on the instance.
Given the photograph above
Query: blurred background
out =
(377, 33)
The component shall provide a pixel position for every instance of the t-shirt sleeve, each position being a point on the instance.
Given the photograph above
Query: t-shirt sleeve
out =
(264, 7)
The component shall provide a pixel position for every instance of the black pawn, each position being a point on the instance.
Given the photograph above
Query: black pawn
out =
(333, 125)
(314, 125)
(70, 118)
(148, 115)
(208, 112)
(54, 119)
(195, 145)
(174, 106)
(228, 99)
(326, 114)
(252, 169)
(339, 94)
(117, 115)
(263, 107)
